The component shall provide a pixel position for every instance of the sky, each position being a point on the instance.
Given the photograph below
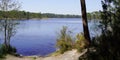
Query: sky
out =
(59, 6)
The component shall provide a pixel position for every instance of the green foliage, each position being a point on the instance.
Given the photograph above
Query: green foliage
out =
(64, 41)
(6, 50)
(103, 48)
(14, 14)
(94, 15)
(51, 15)
(80, 43)
(2, 51)
(106, 46)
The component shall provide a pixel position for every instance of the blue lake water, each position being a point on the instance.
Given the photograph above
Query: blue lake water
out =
(38, 37)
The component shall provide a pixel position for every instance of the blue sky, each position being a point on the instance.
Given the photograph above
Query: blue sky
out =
(59, 6)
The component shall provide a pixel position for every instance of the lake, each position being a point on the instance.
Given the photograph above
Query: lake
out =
(38, 37)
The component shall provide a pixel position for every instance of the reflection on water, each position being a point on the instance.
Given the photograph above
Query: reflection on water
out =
(38, 37)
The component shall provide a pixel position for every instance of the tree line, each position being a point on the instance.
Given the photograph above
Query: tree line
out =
(14, 14)
(94, 15)
(52, 15)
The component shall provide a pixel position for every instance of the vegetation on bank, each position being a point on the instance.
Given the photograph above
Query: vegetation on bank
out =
(106, 46)
(52, 15)
(7, 26)
(66, 41)
(6, 50)
(96, 15)
(102, 47)
(14, 14)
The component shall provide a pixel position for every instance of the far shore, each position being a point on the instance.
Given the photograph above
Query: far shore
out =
(25, 18)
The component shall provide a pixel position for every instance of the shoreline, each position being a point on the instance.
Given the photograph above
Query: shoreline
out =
(26, 18)
(68, 55)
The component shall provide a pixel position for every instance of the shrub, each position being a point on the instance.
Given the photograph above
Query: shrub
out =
(6, 50)
(2, 51)
(80, 42)
(64, 41)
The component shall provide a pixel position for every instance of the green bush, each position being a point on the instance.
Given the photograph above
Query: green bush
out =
(2, 51)
(64, 41)
(80, 42)
(6, 50)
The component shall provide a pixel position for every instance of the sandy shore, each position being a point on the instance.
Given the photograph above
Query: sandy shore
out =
(69, 55)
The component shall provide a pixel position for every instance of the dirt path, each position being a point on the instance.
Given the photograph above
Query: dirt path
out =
(69, 55)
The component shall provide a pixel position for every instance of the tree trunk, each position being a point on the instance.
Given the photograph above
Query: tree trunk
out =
(85, 23)
(5, 33)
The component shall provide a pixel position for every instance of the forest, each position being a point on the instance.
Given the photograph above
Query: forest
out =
(14, 14)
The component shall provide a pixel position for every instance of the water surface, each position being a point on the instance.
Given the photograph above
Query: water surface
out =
(38, 37)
